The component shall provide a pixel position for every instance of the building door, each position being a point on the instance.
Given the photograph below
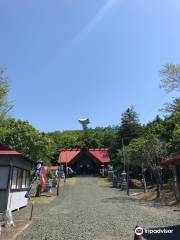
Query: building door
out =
(84, 165)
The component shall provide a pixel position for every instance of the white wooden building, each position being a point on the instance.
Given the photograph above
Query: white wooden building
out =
(14, 179)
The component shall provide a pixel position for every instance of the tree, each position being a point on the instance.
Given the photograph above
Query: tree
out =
(172, 108)
(174, 144)
(101, 136)
(135, 154)
(130, 127)
(20, 135)
(170, 124)
(97, 138)
(156, 127)
(67, 139)
(154, 152)
(170, 77)
(5, 107)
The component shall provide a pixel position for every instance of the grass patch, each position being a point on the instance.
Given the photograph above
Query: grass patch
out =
(166, 196)
(70, 181)
(44, 199)
(103, 181)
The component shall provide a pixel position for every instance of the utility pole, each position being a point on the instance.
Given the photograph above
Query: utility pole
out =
(126, 176)
(123, 154)
(123, 174)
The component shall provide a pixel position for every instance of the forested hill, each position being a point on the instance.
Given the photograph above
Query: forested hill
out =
(161, 135)
(97, 138)
(23, 137)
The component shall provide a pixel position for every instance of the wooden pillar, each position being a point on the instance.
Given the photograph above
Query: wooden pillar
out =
(176, 182)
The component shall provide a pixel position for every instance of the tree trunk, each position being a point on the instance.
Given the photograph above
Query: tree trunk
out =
(58, 188)
(38, 190)
(144, 184)
(175, 185)
(158, 183)
(158, 192)
(143, 178)
(157, 176)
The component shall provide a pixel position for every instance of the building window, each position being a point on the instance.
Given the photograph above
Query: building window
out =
(4, 174)
(20, 179)
(24, 179)
(14, 178)
(27, 179)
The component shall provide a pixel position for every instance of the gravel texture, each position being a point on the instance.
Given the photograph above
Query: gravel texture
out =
(88, 210)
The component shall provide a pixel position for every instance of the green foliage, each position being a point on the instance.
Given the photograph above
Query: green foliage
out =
(67, 139)
(135, 151)
(49, 175)
(146, 146)
(170, 77)
(170, 124)
(156, 127)
(154, 151)
(20, 135)
(174, 144)
(130, 127)
(101, 137)
(147, 151)
(133, 154)
(4, 89)
(159, 139)
(172, 108)
(98, 137)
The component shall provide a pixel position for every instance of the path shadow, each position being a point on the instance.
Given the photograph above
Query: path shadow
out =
(125, 198)
(151, 203)
(175, 235)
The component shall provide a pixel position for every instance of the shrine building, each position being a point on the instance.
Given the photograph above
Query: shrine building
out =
(84, 161)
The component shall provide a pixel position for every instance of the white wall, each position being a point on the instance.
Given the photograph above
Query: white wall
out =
(17, 200)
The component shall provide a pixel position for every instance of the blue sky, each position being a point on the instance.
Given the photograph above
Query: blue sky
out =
(70, 59)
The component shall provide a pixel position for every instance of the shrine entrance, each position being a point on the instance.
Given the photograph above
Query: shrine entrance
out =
(85, 165)
(84, 161)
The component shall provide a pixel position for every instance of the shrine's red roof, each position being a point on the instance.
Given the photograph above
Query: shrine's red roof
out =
(67, 155)
(100, 154)
(171, 161)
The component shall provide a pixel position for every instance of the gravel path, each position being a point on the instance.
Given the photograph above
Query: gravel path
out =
(89, 210)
